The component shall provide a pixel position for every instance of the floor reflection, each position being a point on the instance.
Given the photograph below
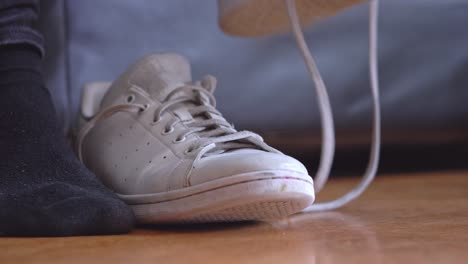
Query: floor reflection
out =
(313, 238)
(331, 237)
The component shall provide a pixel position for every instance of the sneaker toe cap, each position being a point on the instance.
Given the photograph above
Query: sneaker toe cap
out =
(245, 162)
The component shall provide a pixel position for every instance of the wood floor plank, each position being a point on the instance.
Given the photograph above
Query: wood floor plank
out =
(416, 218)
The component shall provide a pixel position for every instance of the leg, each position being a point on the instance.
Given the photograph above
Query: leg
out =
(44, 190)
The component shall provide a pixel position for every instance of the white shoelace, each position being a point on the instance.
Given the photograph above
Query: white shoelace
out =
(328, 133)
(215, 134)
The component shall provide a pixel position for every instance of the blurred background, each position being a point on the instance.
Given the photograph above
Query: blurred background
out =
(262, 82)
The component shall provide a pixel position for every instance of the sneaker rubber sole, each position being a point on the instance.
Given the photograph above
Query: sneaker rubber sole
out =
(267, 195)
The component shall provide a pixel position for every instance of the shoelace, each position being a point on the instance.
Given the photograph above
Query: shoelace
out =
(207, 123)
(326, 116)
(215, 134)
(225, 134)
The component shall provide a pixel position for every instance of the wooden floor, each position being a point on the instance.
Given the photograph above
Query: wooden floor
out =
(417, 218)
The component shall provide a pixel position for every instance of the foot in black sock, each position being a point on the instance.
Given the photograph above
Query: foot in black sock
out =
(44, 189)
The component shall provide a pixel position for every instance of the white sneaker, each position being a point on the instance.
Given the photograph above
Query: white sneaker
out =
(155, 138)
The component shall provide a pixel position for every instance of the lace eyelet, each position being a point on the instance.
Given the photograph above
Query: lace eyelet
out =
(178, 140)
(167, 131)
(130, 98)
(142, 110)
(188, 151)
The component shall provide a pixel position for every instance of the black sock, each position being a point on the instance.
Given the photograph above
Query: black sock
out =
(44, 189)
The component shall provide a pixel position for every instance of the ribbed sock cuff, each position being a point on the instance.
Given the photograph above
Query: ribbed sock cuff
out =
(19, 63)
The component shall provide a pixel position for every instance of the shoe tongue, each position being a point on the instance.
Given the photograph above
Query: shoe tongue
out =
(157, 74)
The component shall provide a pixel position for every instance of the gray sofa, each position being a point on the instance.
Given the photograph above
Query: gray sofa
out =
(263, 84)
